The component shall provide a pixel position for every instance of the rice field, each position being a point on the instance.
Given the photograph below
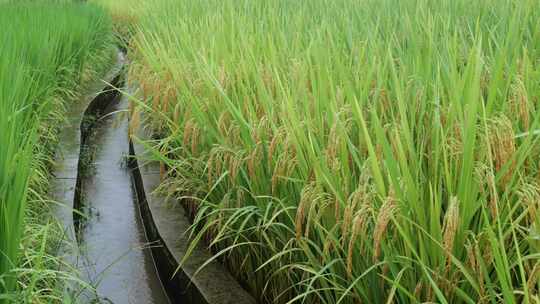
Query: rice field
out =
(327, 151)
(48, 50)
(351, 151)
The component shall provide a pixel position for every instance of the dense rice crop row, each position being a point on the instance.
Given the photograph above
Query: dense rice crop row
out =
(46, 50)
(341, 151)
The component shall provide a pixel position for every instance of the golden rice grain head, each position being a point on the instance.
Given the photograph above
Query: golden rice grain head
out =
(524, 110)
(337, 208)
(486, 181)
(305, 201)
(347, 219)
(188, 126)
(503, 146)
(236, 138)
(430, 295)
(394, 139)
(418, 290)
(254, 133)
(455, 140)
(308, 218)
(195, 138)
(474, 257)
(168, 97)
(276, 174)
(265, 127)
(144, 88)
(284, 167)
(156, 94)
(493, 195)
(384, 216)
(231, 160)
(358, 197)
(359, 224)
(292, 163)
(272, 148)
(234, 166)
(328, 246)
(134, 121)
(534, 278)
(520, 100)
(219, 160)
(176, 116)
(254, 160)
(450, 228)
(529, 196)
(331, 146)
(336, 167)
(487, 253)
(471, 257)
(223, 124)
(290, 148)
(319, 204)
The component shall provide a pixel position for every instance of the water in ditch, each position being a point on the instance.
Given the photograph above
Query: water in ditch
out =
(114, 251)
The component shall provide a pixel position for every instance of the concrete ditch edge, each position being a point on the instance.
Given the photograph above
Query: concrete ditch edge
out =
(95, 109)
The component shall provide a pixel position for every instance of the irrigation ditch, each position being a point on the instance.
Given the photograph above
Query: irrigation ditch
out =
(125, 239)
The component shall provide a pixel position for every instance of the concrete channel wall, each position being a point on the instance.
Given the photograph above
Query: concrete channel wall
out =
(165, 224)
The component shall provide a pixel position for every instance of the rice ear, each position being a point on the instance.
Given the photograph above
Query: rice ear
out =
(347, 218)
(534, 277)
(134, 121)
(503, 147)
(188, 129)
(337, 209)
(358, 228)
(450, 228)
(386, 212)
(305, 201)
(195, 138)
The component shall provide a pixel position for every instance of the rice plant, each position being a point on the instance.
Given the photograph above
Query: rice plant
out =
(352, 151)
(47, 50)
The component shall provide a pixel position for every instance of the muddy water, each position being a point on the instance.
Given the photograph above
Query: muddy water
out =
(114, 251)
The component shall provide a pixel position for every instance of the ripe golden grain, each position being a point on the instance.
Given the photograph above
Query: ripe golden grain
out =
(195, 138)
(188, 126)
(272, 147)
(306, 198)
(253, 160)
(359, 224)
(503, 147)
(134, 121)
(450, 228)
(534, 277)
(386, 213)
(337, 208)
